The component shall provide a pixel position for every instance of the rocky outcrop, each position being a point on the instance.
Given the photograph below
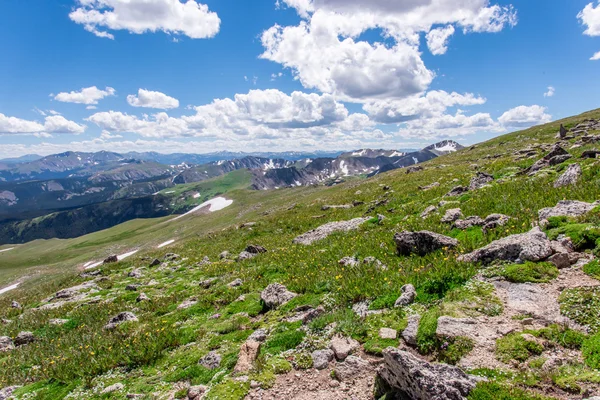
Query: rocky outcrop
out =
(407, 376)
(566, 208)
(569, 177)
(275, 295)
(422, 242)
(480, 180)
(531, 246)
(343, 346)
(248, 354)
(120, 319)
(323, 231)
(407, 297)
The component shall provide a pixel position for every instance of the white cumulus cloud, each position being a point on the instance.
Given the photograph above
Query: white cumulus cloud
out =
(596, 56)
(90, 95)
(52, 124)
(189, 18)
(437, 39)
(152, 99)
(590, 18)
(525, 116)
(550, 92)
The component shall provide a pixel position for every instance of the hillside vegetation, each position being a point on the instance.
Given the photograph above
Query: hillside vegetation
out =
(191, 328)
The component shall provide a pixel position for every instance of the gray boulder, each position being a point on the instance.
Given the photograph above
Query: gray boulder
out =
(275, 295)
(323, 231)
(111, 259)
(259, 335)
(428, 211)
(321, 358)
(24, 338)
(235, 283)
(407, 297)
(343, 346)
(531, 246)
(244, 255)
(255, 249)
(142, 297)
(567, 208)
(569, 177)
(468, 222)
(351, 367)
(15, 304)
(119, 319)
(225, 254)
(457, 191)
(211, 361)
(480, 180)
(6, 393)
(113, 388)
(452, 215)
(410, 333)
(407, 376)
(348, 262)
(493, 221)
(196, 392)
(6, 344)
(422, 242)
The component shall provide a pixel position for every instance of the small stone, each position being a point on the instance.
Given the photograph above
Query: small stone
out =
(211, 361)
(350, 368)
(259, 335)
(111, 259)
(343, 346)
(452, 215)
(408, 295)
(321, 358)
(410, 333)
(276, 295)
(569, 177)
(142, 297)
(154, 262)
(24, 338)
(187, 304)
(113, 388)
(6, 344)
(225, 254)
(387, 333)
(120, 318)
(132, 288)
(15, 304)
(58, 321)
(235, 283)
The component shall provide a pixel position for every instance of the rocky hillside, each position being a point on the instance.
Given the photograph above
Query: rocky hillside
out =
(473, 276)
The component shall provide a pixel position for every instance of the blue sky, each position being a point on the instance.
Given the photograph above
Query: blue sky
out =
(208, 75)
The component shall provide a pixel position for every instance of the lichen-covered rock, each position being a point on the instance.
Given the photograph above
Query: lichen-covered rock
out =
(119, 319)
(248, 354)
(480, 180)
(566, 208)
(111, 259)
(407, 297)
(235, 283)
(211, 361)
(113, 388)
(422, 242)
(468, 222)
(343, 346)
(350, 368)
(244, 255)
(569, 177)
(187, 304)
(6, 344)
(457, 191)
(14, 304)
(325, 230)
(24, 338)
(259, 335)
(142, 297)
(255, 249)
(452, 215)
(6, 393)
(207, 283)
(406, 375)
(531, 246)
(429, 210)
(196, 392)
(348, 262)
(388, 333)
(493, 221)
(321, 358)
(275, 295)
(410, 332)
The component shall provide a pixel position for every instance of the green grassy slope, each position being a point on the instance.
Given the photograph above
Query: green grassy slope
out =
(166, 344)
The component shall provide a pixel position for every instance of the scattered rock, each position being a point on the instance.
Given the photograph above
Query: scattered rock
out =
(259, 335)
(407, 297)
(569, 177)
(196, 392)
(413, 169)
(247, 225)
(7, 392)
(121, 318)
(343, 207)
(244, 255)
(343, 346)
(531, 246)
(275, 295)
(452, 215)
(24, 338)
(350, 368)
(136, 273)
(321, 358)
(187, 304)
(561, 260)
(410, 333)
(422, 242)
(132, 288)
(559, 159)
(387, 333)
(406, 375)
(211, 361)
(154, 263)
(15, 304)
(468, 222)
(449, 327)
(313, 314)
(111, 259)
(248, 354)
(325, 230)
(562, 132)
(171, 257)
(348, 262)
(590, 154)
(225, 254)
(430, 186)
(255, 249)
(567, 208)
(204, 262)
(480, 180)
(207, 283)
(428, 211)
(493, 221)
(235, 283)
(142, 297)
(457, 191)
(113, 388)
(6, 344)
(58, 321)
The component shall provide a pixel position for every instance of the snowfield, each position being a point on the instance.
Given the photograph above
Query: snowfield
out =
(216, 204)
(9, 288)
(168, 242)
(10, 248)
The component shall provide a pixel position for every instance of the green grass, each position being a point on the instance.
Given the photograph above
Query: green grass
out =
(592, 269)
(495, 391)
(147, 361)
(515, 347)
(529, 272)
